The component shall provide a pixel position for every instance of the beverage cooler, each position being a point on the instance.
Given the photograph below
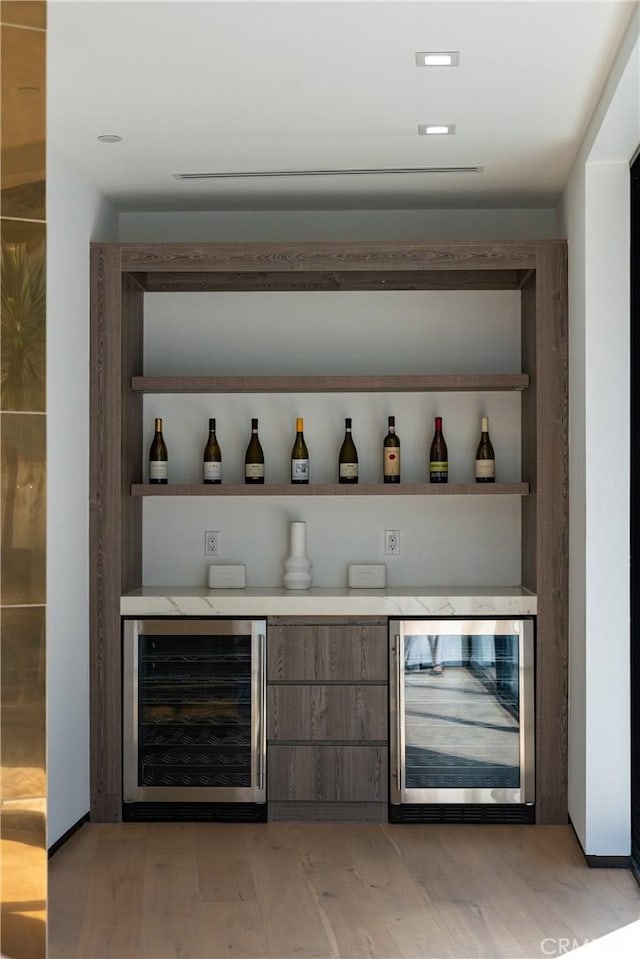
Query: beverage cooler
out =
(194, 733)
(462, 720)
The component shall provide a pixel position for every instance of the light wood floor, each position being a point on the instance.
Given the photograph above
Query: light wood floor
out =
(335, 891)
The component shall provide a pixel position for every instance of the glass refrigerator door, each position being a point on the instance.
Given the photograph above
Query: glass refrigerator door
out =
(464, 719)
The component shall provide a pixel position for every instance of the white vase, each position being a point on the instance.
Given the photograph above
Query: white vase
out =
(297, 566)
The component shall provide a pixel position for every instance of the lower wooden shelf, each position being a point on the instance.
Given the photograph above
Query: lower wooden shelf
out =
(332, 489)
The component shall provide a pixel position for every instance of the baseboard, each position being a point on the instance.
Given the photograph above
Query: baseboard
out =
(59, 843)
(609, 862)
(602, 862)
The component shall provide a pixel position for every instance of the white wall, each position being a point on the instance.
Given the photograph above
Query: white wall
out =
(488, 224)
(596, 213)
(76, 214)
(444, 540)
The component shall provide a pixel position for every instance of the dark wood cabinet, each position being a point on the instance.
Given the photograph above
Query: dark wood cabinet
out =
(327, 719)
(327, 773)
(328, 652)
(334, 713)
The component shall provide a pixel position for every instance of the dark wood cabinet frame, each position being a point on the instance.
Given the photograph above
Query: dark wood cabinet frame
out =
(122, 272)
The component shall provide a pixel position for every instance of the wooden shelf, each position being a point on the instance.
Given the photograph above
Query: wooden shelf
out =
(332, 489)
(402, 383)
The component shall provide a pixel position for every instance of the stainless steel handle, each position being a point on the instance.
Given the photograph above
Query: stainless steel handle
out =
(399, 717)
(262, 745)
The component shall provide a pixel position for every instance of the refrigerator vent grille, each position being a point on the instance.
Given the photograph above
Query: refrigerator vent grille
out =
(461, 813)
(194, 812)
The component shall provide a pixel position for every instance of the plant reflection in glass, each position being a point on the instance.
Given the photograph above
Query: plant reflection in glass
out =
(22, 339)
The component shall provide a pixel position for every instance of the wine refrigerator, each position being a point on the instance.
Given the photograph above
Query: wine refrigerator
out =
(194, 731)
(462, 720)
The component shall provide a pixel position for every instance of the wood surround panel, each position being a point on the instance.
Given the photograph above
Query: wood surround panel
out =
(323, 256)
(529, 433)
(537, 268)
(105, 508)
(132, 426)
(331, 489)
(301, 282)
(402, 383)
(552, 525)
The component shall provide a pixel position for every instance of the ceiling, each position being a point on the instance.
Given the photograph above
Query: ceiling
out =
(237, 87)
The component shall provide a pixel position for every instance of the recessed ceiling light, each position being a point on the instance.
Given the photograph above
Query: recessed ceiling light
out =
(109, 138)
(436, 129)
(438, 58)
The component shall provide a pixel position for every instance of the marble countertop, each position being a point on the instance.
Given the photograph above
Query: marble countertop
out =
(399, 601)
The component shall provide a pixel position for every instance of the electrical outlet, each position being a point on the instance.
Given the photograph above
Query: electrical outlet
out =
(212, 542)
(392, 542)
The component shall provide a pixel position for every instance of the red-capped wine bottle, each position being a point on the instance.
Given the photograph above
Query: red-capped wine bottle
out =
(158, 459)
(391, 454)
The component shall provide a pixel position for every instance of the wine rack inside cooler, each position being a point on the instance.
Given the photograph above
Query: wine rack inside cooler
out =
(194, 715)
(194, 709)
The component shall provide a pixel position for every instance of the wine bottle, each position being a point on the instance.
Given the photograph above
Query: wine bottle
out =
(158, 459)
(299, 455)
(391, 454)
(254, 457)
(438, 456)
(348, 458)
(485, 457)
(212, 457)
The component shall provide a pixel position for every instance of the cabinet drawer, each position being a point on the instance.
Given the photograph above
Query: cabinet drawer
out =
(328, 652)
(328, 773)
(334, 713)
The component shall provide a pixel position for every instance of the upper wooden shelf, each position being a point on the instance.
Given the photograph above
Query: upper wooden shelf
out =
(331, 489)
(403, 383)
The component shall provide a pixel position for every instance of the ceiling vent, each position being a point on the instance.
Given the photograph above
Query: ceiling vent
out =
(258, 174)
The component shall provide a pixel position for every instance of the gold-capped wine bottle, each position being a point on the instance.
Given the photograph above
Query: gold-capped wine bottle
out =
(348, 458)
(438, 456)
(391, 454)
(212, 457)
(158, 459)
(485, 457)
(254, 457)
(299, 455)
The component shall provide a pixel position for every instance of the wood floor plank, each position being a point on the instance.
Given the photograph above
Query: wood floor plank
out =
(328, 891)
(292, 924)
(171, 907)
(224, 872)
(113, 917)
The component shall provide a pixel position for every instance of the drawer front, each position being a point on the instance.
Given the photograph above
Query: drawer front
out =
(328, 652)
(333, 713)
(328, 773)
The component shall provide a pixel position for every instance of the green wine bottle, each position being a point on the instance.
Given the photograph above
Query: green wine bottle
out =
(299, 455)
(254, 457)
(212, 457)
(348, 458)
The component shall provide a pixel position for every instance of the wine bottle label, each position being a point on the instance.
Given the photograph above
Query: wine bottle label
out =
(299, 469)
(348, 470)
(391, 461)
(254, 470)
(485, 468)
(212, 471)
(438, 466)
(158, 469)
